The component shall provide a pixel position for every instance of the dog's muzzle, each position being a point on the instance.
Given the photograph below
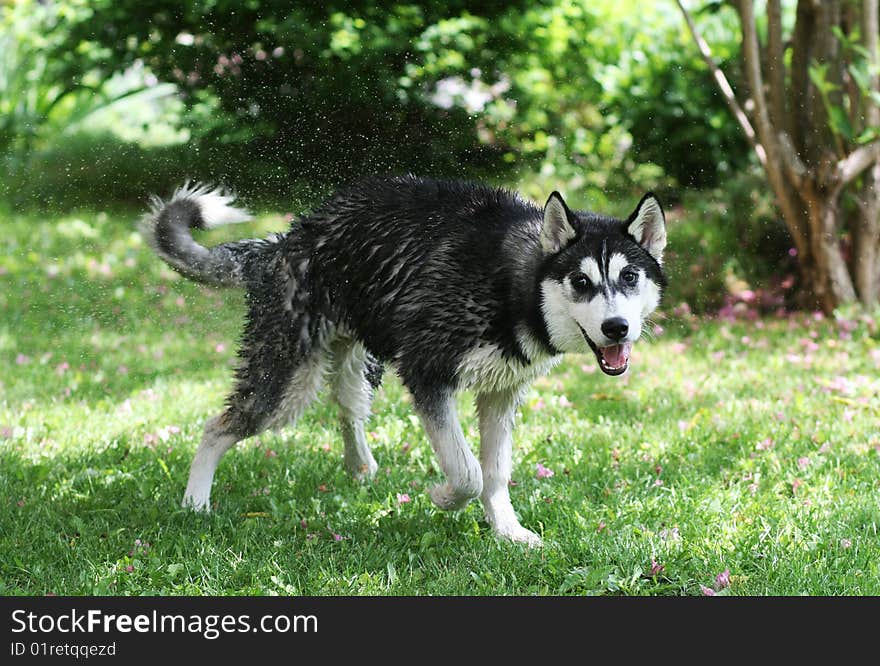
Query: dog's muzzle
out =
(614, 359)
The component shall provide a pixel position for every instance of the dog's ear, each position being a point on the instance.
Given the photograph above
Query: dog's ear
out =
(557, 230)
(647, 225)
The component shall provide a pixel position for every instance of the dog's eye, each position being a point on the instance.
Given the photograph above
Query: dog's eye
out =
(629, 276)
(580, 282)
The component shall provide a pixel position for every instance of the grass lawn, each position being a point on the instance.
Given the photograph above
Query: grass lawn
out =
(729, 446)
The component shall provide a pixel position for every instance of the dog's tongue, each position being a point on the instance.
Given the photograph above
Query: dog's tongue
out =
(616, 356)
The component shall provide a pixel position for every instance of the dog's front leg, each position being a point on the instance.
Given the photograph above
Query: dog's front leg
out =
(496, 413)
(464, 480)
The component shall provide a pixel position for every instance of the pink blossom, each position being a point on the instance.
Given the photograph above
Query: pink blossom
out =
(338, 537)
(542, 472)
(271, 454)
(681, 310)
(722, 580)
(846, 543)
(219, 348)
(803, 462)
(679, 347)
(21, 359)
(658, 330)
(129, 568)
(707, 591)
(656, 567)
(797, 483)
(764, 444)
(565, 402)
(403, 498)
(62, 367)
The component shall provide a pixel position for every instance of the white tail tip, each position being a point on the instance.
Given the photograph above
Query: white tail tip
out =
(214, 204)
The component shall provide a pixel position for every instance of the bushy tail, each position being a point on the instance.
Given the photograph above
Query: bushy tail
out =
(167, 229)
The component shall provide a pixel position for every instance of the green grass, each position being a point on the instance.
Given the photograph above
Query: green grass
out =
(728, 446)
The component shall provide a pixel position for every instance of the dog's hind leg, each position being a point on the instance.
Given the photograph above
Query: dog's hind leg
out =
(280, 396)
(354, 376)
(464, 479)
(282, 363)
(220, 435)
(496, 414)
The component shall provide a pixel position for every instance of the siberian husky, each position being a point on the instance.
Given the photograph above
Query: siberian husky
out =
(455, 285)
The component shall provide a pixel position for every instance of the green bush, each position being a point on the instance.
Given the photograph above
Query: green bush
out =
(663, 93)
(597, 98)
(726, 242)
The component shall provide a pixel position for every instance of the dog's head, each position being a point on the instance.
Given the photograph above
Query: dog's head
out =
(601, 278)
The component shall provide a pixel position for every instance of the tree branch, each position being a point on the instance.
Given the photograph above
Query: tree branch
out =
(791, 161)
(752, 57)
(870, 30)
(849, 168)
(776, 65)
(724, 86)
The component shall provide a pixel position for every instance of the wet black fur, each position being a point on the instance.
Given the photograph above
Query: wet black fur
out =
(420, 271)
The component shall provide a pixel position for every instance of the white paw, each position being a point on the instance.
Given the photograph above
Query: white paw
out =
(519, 534)
(361, 470)
(449, 498)
(197, 504)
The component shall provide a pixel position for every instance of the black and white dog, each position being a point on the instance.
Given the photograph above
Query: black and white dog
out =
(456, 285)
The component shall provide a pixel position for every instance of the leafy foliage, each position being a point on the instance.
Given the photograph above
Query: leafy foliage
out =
(597, 96)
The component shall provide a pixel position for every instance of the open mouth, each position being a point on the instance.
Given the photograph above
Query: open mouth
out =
(613, 359)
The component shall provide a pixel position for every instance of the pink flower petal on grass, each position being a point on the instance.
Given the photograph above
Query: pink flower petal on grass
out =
(656, 567)
(403, 498)
(542, 472)
(722, 580)
(707, 591)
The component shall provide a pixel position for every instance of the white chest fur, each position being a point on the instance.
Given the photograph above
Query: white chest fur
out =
(485, 369)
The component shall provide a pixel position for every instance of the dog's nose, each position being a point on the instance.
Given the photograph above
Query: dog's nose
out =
(615, 328)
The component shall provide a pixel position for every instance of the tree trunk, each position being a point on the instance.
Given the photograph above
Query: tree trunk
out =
(866, 239)
(830, 281)
(866, 233)
(809, 160)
